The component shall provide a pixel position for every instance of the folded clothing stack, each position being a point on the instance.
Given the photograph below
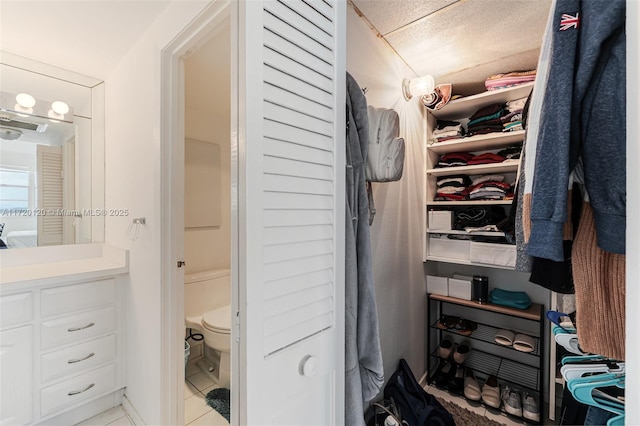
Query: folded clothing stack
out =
(454, 159)
(489, 187)
(512, 152)
(446, 130)
(512, 122)
(486, 120)
(478, 216)
(452, 188)
(510, 79)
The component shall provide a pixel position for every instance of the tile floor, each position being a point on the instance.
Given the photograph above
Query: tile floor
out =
(196, 410)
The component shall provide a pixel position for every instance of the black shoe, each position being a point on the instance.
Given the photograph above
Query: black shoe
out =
(445, 371)
(456, 380)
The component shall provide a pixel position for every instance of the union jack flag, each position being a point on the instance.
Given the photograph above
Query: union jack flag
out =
(567, 21)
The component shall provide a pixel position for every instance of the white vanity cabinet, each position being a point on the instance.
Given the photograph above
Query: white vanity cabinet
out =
(61, 340)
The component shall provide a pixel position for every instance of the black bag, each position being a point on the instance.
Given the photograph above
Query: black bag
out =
(416, 406)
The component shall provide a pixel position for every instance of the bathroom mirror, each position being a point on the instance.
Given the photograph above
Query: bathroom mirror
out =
(51, 156)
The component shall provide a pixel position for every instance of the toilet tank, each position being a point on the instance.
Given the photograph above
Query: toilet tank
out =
(207, 290)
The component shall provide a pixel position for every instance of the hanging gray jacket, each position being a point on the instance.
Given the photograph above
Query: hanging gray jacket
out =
(364, 374)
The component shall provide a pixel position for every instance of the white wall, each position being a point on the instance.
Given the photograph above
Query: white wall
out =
(208, 119)
(398, 224)
(133, 181)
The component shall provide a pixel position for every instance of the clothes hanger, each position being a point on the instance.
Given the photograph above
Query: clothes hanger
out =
(583, 358)
(584, 392)
(598, 380)
(574, 371)
(616, 421)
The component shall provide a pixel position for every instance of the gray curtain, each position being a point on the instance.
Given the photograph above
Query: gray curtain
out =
(363, 357)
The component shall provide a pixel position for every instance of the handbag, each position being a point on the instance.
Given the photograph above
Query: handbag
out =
(416, 407)
(513, 299)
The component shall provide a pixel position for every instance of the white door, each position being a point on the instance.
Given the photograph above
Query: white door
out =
(291, 179)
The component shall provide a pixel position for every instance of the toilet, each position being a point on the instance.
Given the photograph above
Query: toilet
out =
(208, 312)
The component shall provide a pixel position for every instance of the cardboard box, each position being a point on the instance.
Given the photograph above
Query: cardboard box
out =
(449, 249)
(493, 254)
(437, 285)
(440, 220)
(460, 286)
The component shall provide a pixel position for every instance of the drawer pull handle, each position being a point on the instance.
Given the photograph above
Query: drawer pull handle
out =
(83, 390)
(91, 324)
(73, 361)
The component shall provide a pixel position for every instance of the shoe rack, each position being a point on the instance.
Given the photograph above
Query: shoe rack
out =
(524, 371)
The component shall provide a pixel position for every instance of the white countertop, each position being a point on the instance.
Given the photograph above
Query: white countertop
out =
(57, 263)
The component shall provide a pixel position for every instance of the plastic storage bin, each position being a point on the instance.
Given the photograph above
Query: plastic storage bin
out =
(437, 285)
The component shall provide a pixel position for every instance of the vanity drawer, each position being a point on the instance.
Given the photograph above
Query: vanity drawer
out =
(78, 358)
(71, 298)
(72, 391)
(16, 309)
(77, 327)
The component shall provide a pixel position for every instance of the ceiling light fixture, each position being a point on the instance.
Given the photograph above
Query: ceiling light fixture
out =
(60, 107)
(54, 116)
(25, 100)
(417, 86)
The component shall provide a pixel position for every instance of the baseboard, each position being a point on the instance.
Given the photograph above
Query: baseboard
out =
(131, 412)
(85, 411)
(423, 379)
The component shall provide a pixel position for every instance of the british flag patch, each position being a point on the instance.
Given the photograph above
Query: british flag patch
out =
(568, 21)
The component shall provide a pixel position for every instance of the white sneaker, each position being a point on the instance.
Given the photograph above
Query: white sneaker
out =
(511, 402)
(530, 409)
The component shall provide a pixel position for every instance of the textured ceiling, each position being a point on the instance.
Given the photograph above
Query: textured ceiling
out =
(461, 41)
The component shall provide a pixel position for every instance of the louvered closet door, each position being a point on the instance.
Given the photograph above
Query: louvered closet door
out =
(49, 180)
(292, 180)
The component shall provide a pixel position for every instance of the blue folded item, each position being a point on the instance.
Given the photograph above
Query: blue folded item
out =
(513, 299)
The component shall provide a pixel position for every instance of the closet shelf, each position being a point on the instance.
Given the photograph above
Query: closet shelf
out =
(465, 107)
(486, 333)
(466, 262)
(516, 374)
(456, 232)
(478, 169)
(533, 312)
(469, 203)
(478, 142)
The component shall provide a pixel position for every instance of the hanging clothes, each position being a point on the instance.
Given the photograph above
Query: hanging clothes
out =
(584, 116)
(364, 375)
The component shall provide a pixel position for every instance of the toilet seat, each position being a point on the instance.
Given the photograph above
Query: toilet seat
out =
(218, 320)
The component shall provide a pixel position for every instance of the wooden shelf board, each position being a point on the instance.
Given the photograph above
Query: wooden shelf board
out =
(534, 312)
(478, 169)
(466, 262)
(478, 142)
(469, 203)
(465, 107)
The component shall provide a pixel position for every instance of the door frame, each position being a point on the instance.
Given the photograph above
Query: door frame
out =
(172, 205)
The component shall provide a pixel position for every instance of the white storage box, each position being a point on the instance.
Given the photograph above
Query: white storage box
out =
(440, 220)
(437, 285)
(493, 254)
(460, 286)
(449, 249)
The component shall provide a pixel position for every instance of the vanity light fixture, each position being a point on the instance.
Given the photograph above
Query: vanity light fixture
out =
(417, 86)
(60, 107)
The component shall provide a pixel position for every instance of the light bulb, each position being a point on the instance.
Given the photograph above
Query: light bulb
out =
(417, 86)
(25, 100)
(60, 107)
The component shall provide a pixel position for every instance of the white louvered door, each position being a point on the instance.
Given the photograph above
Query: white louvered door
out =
(50, 191)
(291, 211)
